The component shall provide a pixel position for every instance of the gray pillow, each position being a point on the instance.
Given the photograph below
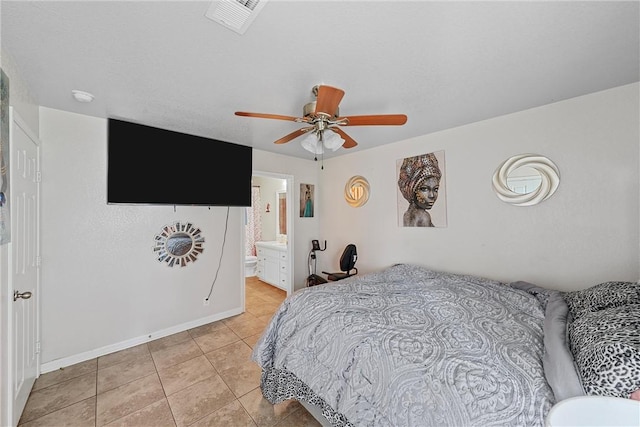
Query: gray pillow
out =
(542, 294)
(602, 296)
(558, 363)
(606, 347)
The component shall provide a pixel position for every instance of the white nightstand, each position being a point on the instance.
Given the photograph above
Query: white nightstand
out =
(594, 411)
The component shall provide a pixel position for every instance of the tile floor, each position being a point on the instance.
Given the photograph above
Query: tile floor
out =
(200, 377)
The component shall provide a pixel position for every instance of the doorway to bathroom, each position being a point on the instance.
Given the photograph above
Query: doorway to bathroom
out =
(268, 231)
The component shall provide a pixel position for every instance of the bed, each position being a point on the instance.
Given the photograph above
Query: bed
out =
(409, 346)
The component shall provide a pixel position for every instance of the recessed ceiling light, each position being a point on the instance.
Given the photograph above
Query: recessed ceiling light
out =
(82, 96)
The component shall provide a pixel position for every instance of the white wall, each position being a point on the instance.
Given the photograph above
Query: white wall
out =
(585, 234)
(102, 287)
(101, 283)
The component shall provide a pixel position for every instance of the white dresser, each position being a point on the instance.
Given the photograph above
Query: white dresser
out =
(272, 264)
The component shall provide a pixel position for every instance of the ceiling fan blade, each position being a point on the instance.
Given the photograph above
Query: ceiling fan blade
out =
(379, 119)
(328, 99)
(266, 116)
(293, 135)
(348, 141)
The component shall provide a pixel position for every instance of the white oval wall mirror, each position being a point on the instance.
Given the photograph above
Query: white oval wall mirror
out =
(526, 179)
(356, 191)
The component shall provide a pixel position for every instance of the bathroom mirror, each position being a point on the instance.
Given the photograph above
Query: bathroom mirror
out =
(178, 244)
(526, 179)
(356, 191)
(281, 213)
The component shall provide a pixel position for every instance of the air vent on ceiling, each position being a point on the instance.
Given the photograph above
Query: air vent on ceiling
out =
(236, 15)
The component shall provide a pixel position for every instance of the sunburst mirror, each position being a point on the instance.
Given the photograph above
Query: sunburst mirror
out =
(178, 244)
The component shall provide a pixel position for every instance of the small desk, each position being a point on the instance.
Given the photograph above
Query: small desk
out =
(594, 411)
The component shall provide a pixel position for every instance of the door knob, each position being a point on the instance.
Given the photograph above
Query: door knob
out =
(23, 295)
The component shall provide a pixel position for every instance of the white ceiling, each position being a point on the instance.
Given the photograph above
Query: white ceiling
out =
(443, 64)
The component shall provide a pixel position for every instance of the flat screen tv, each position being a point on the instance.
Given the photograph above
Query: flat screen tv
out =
(153, 166)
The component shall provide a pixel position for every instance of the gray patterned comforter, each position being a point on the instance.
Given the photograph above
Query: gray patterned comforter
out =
(409, 346)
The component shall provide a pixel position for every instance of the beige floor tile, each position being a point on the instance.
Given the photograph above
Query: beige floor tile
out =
(206, 329)
(249, 327)
(158, 414)
(276, 298)
(122, 356)
(229, 356)
(242, 378)
(264, 413)
(176, 354)
(168, 341)
(252, 340)
(182, 375)
(254, 298)
(58, 396)
(81, 414)
(240, 318)
(220, 338)
(264, 309)
(125, 372)
(273, 292)
(126, 399)
(202, 370)
(64, 374)
(300, 418)
(266, 318)
(232, 415)
(199, 400)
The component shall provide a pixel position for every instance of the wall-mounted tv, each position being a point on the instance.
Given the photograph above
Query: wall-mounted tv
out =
(148, 166)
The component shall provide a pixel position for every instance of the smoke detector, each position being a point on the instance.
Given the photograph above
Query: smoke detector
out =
(82, 96)
(236, 15)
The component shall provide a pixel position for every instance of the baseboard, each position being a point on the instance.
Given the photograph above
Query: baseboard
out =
(88, 355)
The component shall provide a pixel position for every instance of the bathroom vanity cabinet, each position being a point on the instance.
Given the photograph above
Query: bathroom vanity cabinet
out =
(272, 264)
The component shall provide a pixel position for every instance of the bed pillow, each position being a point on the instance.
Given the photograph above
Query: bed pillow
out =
(541, 294)
(602, 296)
(606, 348)
(559, 366)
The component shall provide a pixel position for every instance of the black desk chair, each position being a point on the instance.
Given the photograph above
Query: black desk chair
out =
(347, 264)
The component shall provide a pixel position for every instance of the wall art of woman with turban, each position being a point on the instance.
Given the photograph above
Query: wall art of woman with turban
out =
(419, 180)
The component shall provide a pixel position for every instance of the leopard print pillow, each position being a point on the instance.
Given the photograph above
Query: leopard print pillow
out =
(602, 296)
(606, 348)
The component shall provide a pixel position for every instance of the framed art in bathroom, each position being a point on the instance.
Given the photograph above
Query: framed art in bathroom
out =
(307, 201)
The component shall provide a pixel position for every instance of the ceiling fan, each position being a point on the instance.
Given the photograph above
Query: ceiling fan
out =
(323, 115)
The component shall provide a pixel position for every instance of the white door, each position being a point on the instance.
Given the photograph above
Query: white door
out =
(24, 270)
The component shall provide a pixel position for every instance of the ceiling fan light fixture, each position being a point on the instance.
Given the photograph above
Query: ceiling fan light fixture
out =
(312, 144)
(332, 140)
